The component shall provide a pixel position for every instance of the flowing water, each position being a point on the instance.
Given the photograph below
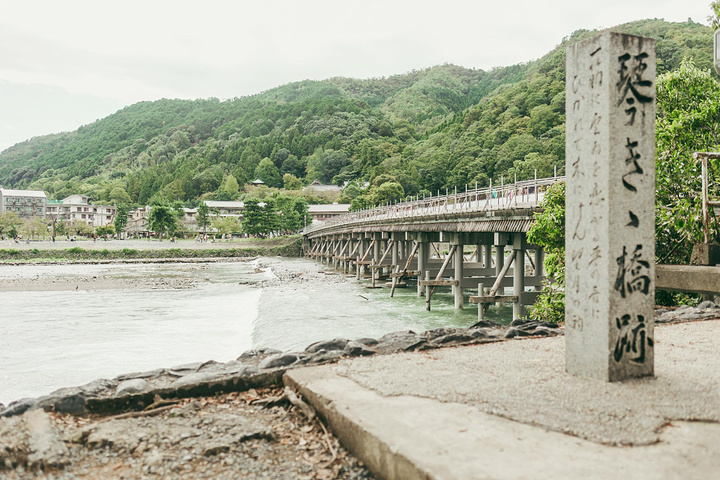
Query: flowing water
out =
(53, 338)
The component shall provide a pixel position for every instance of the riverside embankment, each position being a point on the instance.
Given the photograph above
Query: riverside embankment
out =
(144, 250)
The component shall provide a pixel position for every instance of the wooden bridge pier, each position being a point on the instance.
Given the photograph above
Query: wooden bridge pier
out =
(403, 255)
(460, 240)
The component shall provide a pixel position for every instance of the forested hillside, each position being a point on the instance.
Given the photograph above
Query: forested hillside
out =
(443, 127)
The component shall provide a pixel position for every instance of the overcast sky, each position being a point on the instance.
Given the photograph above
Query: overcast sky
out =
(67, 63)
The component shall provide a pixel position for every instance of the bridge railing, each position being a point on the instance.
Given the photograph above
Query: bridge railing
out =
(525, 194)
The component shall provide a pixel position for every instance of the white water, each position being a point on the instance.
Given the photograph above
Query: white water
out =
(54, 339)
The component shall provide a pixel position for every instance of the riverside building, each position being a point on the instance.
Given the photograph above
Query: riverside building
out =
(24, 203)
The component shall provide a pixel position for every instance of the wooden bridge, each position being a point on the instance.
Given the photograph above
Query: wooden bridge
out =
(473, 240)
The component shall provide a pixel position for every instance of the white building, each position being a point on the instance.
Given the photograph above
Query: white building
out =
(321, 213)
(226, 209)
(77, 208)
(25, 203)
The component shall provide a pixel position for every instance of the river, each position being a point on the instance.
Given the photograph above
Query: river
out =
(69, 333)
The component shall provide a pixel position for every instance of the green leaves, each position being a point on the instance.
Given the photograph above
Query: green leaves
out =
(688, 120)
(548, 232)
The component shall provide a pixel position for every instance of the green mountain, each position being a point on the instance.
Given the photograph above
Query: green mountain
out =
(442, 127)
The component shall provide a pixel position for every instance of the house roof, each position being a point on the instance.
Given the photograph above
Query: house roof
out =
(224, 204)
(329, 208)
(22, 193)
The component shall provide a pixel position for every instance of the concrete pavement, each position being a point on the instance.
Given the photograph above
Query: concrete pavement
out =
(509, 411)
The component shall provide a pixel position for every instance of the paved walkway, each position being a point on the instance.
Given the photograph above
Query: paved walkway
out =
(509, 411)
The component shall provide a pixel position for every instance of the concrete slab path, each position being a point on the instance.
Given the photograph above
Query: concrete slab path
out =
(509, 411)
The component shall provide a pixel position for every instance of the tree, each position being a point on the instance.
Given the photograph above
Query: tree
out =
(119, 195)
(104, 231)
(688, 102)
(268, 173)
(121, 217)
(324, 165)
(292, 213)
(9, 221)
(291, 182)
(33, 227)
(203, 213)
(714, 19)
(548, 232)
(162, 220)
(293, 166)
(226, 225)
(230, 187)
(388, 192)
(79, 228)
(254, 218)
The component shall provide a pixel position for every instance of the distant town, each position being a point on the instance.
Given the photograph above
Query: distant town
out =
(90, 219)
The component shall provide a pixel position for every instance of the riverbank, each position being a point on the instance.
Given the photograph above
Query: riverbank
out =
(232, 420)
(145, 250)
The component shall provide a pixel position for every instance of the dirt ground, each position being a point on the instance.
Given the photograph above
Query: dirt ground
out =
(228, 436)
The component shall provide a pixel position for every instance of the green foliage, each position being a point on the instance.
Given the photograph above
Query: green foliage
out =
(548, 232)
(203, 216)
(268, 173)
(229, 188)
(103, 231)
(714, 19)
(163, 220)
(121, 217)
(688, 120)
(9, 222)
(226, 225)
(387, 193)
(254, 218)
(291, 182)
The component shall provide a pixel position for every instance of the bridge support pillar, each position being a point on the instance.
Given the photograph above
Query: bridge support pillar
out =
(519, 274)
(360, 251)
(499, 258)
(457, 289)
(395, 260)
(374, 272)
(538, 274)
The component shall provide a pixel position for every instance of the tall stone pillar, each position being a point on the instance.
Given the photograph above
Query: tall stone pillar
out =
(610, 220)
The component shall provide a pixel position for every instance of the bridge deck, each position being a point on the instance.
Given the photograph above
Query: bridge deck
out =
(506, 209)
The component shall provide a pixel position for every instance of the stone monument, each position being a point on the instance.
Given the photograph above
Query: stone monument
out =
(610, 205)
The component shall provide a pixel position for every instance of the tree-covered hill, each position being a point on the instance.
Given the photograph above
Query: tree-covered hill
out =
(442, 127)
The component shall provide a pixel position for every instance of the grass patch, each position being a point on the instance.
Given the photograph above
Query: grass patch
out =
(278, 247)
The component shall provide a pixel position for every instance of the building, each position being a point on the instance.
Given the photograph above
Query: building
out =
(138, 222)
(320, 213)
(77, 208)
(25, 203)
(226, 209)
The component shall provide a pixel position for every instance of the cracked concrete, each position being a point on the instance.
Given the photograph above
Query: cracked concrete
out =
(508, 410)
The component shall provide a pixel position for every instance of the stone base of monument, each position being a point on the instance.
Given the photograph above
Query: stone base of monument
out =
(705, 254)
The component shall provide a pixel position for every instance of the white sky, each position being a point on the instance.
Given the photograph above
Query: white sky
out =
(67, 63)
